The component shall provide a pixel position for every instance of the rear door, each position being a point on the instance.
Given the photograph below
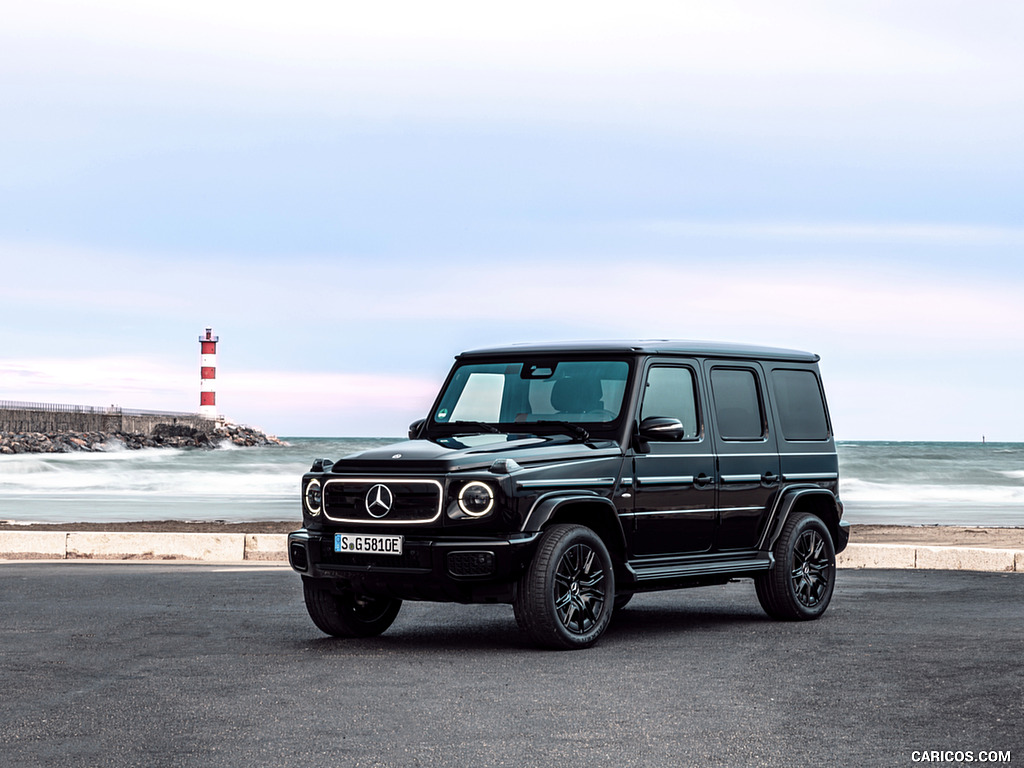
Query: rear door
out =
(748, 458)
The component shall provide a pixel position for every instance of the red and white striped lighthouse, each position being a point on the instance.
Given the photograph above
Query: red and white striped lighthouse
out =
(207, 375)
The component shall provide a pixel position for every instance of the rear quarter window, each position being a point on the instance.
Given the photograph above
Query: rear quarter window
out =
(800, 404)
(737, 404)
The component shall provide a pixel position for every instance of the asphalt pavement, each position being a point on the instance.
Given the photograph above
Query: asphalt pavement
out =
(142, 664)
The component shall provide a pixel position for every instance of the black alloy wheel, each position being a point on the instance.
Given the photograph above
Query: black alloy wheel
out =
(800, 585)
(566, 597)
(579, 589)
(810, 568)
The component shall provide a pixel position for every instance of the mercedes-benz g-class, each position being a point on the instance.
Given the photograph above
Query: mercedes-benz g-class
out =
(564, 478)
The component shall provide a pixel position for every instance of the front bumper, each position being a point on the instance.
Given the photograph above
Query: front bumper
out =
(447, 569)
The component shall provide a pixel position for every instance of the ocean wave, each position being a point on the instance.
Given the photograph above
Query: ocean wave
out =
(181, 485)
(861, 490)
(935, 482)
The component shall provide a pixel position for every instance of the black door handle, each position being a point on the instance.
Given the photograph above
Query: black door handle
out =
(701, 480)
(769, 478)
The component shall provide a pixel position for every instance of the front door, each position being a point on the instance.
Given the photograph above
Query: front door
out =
(674, 482)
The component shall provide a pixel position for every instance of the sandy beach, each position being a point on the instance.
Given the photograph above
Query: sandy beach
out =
(939, 536)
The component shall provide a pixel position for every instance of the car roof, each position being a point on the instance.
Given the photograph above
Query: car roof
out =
(646, 347)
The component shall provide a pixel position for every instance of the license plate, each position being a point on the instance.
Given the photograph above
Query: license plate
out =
(367, 544)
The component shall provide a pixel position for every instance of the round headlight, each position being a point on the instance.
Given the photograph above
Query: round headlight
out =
(314, 497)
(476, 499)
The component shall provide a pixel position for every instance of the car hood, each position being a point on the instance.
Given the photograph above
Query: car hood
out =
(471, 452)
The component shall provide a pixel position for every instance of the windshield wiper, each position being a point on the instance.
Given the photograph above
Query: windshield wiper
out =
(480, 424)
(574, 429)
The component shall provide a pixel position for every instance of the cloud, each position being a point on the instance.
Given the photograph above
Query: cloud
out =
(126, 381)
(887, 333)
(311, 402)
(327, 403)
(838, 232)
(680, 297)
(319, 390)
(100, 373)
(737, 36)
(527, 61)
(752, 298)
(470, 172)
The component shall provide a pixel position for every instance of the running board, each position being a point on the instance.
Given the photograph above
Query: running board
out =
(677, 570)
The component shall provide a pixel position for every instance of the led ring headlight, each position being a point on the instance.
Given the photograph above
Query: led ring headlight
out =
(314, 497)
(476, 499)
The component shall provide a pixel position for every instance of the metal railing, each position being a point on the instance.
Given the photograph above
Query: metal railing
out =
(111, 410)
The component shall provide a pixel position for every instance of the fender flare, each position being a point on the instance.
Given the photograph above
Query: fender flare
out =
(549, 506)
(788, 500)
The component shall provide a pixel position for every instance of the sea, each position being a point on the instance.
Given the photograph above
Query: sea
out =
(889, 483)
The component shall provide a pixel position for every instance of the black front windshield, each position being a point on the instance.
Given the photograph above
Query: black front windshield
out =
(526, 392)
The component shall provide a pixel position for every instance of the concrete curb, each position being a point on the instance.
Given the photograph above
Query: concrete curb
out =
(202, 547)
(934, 558)
(273, 547)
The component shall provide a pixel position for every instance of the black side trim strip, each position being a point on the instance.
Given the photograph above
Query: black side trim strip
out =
(658, 571)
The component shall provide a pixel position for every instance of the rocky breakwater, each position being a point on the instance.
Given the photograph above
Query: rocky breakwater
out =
(162, 436)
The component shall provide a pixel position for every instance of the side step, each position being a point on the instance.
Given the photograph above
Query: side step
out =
(676, 569)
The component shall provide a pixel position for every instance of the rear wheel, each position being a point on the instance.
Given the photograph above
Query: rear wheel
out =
(565, 598)
(800, 585)
(347, 614)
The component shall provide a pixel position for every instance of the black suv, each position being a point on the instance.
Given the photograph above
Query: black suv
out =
(564, 478)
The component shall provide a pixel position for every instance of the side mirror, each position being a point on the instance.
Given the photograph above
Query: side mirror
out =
(416, 428)
(321, 465)
(661, 429)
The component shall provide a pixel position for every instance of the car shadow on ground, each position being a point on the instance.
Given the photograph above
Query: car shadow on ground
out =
(443, 627)
(653, 622)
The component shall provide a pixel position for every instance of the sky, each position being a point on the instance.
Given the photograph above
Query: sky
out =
(350, 194)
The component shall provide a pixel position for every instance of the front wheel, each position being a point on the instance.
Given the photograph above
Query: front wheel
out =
(565, 598)
(347, 614)
(800, 585)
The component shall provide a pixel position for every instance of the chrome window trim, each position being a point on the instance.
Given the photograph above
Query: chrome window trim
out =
(666, 480)
(688, 511)
(781, 454)
(706, 454)
(603, 482)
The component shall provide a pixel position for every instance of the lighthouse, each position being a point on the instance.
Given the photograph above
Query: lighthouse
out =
(208, 375)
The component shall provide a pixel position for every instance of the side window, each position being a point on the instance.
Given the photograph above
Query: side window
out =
(737, 403)
(800, 405)
(670, 392)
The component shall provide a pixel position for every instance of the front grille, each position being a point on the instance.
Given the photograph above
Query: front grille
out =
(404, 500)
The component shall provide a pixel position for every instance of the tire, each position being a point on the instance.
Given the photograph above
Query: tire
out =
(347, 614)
(565, 598)
(799, 587)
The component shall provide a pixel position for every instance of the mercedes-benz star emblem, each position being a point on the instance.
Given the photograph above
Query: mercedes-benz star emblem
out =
(379, 500)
